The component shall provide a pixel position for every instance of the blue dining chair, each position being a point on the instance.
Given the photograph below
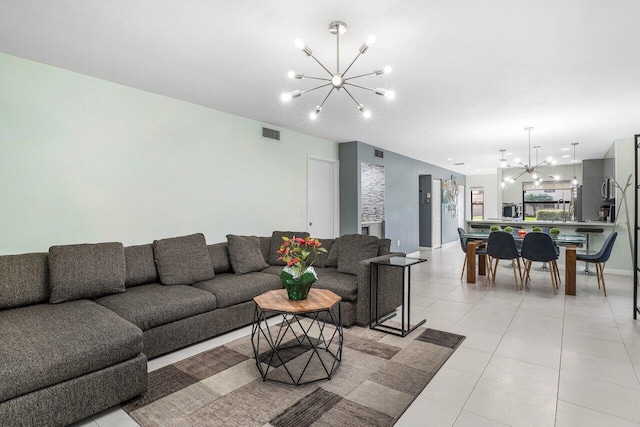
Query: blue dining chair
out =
(463, 244)
(539, 246)
(600, 258)
(501, 245)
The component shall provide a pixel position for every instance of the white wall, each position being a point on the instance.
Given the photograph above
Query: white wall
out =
(85, 160)
(492, 196)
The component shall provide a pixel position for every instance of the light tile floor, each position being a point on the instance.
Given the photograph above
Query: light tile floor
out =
(530, 357)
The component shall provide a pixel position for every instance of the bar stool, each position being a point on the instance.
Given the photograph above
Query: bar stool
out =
(588, 232)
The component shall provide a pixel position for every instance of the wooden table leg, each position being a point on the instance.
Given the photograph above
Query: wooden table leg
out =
(471, 262)
(570, 271)
(482, 265)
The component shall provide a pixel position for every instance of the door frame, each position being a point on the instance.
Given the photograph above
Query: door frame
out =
(436, 206)
(336, 191)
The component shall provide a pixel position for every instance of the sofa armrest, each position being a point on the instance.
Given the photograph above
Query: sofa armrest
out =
(390, 287)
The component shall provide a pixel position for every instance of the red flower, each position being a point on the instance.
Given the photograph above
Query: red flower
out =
(300, 240)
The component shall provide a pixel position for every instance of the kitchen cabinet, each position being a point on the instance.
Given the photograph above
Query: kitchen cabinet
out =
(592, 175)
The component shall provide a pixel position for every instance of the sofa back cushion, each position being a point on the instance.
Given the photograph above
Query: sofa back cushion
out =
(141, 265)
(183, 260)
(276, 242)
(245, 254)
(265, 247)
(86, 271)
(354, 248)
(332, 255)
(24, 280)
(220, 257)
(384, 247)
(320, 260)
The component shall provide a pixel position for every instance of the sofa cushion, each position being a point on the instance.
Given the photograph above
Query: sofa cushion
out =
(265, 247)
(320, 260)
(273, 269)
(152, 305)
(183, 260)
(353, 249)
(332, 255)
(220, 257)
(42, 345)
(24, 280)
(245, 254)
(384, 247)
(86, 271)
(141, 265)
(276, 242)
(345, 285)
(231, 289)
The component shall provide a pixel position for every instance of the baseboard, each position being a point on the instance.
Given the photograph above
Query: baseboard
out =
(414, 254)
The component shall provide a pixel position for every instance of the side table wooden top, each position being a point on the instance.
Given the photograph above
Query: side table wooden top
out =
(278, 301)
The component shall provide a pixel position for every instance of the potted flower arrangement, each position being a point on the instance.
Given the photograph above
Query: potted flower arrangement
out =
(554, 232)
(298, 276)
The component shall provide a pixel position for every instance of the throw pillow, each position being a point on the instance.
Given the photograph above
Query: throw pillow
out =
(332, 256)
(183, 260)
(245, 254)
(353, 249)
(276, 242)
(86, 271)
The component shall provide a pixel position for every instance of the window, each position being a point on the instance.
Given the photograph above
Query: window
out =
(551, 201)
(477, 203)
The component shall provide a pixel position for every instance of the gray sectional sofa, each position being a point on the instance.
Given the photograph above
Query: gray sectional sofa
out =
(78, 323)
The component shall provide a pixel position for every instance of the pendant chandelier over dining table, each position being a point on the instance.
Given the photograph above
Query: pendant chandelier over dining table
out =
(532, 168)
(338, 81)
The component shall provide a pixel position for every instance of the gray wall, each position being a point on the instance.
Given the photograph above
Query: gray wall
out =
(401, 194)
(424, 223)
(592, 175)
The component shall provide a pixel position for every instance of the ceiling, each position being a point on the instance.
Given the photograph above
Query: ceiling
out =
(469, 75)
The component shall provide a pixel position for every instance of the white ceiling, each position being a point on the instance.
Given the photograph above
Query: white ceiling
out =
(469, 75)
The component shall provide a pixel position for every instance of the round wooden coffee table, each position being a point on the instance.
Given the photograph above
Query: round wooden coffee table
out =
(303, 342)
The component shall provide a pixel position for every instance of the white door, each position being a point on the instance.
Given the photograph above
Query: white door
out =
(322, 198)
(436, 213)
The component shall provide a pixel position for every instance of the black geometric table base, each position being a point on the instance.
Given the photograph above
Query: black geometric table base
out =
(285, 351)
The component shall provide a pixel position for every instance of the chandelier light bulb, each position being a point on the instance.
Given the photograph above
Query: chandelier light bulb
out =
(387, 69)
(511, 180)
(371, 39)
(574, 181)
(314, 114)
(549, 159)
(535, 176)
(299, 44)
(503, 184)
(557, 177)
(291, 75)
(285, 97)
(390, 94)
(366, 113)
(337, 81)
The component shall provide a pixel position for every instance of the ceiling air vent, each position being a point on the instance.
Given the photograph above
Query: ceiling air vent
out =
(268, 133)
(379, 153)
(459, 164)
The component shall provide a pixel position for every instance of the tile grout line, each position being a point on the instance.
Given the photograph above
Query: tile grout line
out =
(564, 312)
(492, 354)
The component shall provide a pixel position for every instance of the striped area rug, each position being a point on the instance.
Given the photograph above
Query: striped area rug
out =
(378, 378)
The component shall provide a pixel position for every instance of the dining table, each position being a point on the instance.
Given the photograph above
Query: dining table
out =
(569, 241)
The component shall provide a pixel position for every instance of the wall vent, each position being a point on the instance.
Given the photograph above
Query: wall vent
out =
(379, 153)
(268, 133)
(459, 164)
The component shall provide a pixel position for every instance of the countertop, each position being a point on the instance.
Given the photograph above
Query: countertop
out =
(595, 224)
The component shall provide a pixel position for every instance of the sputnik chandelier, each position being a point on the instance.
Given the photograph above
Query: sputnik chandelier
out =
(530, 168)
(337, 81)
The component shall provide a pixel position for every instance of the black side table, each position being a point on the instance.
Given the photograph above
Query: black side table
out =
(375, 322)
